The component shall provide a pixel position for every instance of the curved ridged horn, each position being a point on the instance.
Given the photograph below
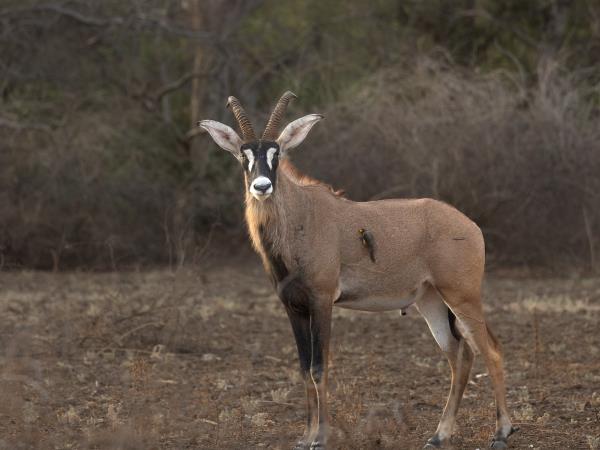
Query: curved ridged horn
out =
(272, 127)
(242, 119)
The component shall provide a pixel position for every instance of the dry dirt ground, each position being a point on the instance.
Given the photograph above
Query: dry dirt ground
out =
(205, 358)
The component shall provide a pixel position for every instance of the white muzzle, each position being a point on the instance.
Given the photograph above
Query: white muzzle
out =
(261, 188)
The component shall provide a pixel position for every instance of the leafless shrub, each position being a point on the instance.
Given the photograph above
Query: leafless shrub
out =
(522, 161)
(93, 195)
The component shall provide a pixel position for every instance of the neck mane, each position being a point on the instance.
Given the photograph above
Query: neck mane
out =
(294, 174)
(301, 179)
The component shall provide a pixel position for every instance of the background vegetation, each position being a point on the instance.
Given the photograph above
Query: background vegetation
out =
(490, 105)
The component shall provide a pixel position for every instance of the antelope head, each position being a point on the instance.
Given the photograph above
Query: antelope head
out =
(260, 157)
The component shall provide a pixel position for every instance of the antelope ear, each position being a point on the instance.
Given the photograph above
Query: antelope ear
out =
(223, 135)
(293, 135)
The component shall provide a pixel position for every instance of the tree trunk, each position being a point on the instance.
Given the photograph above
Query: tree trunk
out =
(198, 152)
(183, 212)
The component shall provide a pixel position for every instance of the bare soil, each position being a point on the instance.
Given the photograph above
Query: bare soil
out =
(205, 358)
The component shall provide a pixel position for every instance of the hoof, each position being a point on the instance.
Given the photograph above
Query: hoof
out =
(432, 443)
(499, 444)
(317, 445)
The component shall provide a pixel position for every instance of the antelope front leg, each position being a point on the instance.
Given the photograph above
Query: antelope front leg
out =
(300, 321)
(320, 332)
(312, 326)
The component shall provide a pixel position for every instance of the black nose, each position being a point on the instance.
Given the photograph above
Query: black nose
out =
(263, 186)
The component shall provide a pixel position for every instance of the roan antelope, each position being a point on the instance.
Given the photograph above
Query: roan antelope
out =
(323, 250)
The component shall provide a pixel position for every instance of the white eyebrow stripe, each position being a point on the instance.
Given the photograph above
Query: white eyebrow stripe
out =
(250, 157)
(270, 153)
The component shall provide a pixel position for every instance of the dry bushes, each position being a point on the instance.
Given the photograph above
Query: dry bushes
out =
(522, 161)
(105, 191)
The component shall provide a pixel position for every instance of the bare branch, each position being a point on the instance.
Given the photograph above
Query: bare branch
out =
(23, 126)
(110, 21)
(520, 34)
(177, 84)
(71, 13)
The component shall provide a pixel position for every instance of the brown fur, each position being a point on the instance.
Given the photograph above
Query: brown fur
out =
(428, 254)
(425, 249)
(272, 215)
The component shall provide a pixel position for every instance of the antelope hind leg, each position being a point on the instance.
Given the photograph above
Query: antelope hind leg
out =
(472, 325)
(460, 357)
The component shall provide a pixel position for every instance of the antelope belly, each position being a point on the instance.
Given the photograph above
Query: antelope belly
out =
(373, 303)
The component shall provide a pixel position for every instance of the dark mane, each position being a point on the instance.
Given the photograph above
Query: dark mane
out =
(305, 180)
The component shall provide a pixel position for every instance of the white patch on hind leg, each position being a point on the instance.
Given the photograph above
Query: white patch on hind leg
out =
(435, 313)
(468, 335)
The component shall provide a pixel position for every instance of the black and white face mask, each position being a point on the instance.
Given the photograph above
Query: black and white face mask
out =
(260, 160)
